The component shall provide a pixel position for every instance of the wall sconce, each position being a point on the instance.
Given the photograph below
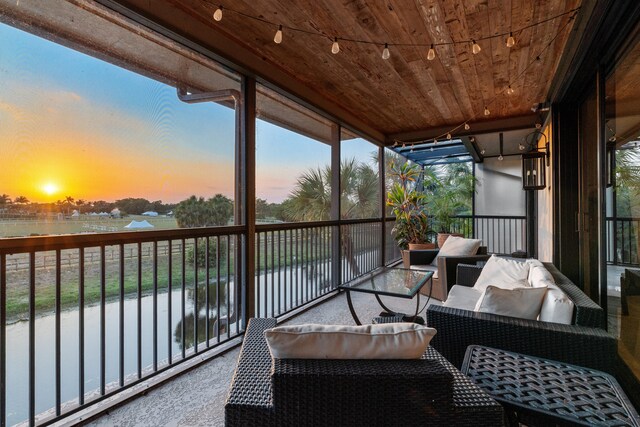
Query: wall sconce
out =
(611, 162)
(534, 171)
(534, 163)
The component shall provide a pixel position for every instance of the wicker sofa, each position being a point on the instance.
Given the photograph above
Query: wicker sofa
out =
(582, 343)
(295, 392)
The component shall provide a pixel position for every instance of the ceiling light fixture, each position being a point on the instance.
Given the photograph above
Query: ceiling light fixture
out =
(475, 47)
(510, 40)
(217, 15)
(278, 37)
(335, 47)
(431, 55)
(385, 51)
(510, 90)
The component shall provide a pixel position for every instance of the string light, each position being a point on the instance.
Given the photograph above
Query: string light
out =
(404, 145)
(486, 111)
(278, 37)
(335, 47)
(501, 157)
(466, 126)
(449, 136)
(475, 47)
(510, 90)
(435, 141)
(217, 15)
(521, 147)
(482, 151)
(432, 53)
(510, 40)
(385, 51)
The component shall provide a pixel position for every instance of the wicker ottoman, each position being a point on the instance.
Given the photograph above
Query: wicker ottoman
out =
(541, 392)
(351, 392)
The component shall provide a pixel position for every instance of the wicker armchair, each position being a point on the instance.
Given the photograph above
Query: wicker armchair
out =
(268, 392)
(582, 343)
(446, 269)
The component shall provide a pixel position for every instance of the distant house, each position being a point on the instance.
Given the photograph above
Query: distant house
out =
(150, 213)
(115, 213)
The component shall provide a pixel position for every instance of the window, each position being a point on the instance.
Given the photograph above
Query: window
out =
(293, 161)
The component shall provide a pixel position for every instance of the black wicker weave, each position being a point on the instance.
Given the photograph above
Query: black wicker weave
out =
(578, 344)
(540, 391)
(267, 392)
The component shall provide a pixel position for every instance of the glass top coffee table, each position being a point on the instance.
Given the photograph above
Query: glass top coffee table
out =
(389, 281)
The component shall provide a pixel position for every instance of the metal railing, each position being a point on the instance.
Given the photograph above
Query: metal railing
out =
(623, 238)
(297, 263)
(501, 234)
(133, 306)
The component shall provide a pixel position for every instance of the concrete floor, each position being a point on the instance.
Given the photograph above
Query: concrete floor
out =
(197, 397)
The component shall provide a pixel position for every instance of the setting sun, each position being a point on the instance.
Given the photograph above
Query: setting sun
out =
(50, 188)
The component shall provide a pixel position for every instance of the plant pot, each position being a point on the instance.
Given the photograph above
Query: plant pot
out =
(418, 246)
(442, 237)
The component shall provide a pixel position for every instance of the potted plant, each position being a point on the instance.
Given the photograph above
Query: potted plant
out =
(451, 191)
(411, 230)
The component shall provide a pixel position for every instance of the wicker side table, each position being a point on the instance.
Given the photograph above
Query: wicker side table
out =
(541, 391)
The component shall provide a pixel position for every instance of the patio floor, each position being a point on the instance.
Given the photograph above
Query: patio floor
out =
(197, 397)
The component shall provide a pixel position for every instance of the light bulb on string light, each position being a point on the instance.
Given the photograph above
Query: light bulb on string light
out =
(217, 15)
(500, 157)
(475, 47)
(466, 126)
(335, 47)
(510, 90)
(449, 135)
(385, 52)
(510, 40)
(435, 141)
(521, 147)
(431, 55)
(482, 151)
(278, 37)
(404, 145)
(486, 111)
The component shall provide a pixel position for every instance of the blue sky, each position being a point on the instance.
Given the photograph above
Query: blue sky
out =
(97, 131)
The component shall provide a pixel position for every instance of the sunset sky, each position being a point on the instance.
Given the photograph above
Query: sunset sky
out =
(72, 125)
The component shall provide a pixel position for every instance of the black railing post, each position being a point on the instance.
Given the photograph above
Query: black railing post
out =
(336, 258)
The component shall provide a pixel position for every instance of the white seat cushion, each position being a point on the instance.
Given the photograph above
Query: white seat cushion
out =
(457, 246)
(425, 267)
(462, 297)
(503, 273)
(383, 341)
(523, 303)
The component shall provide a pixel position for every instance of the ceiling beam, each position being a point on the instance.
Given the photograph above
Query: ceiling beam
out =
(472, 149)
(172, 21)
(485, 126)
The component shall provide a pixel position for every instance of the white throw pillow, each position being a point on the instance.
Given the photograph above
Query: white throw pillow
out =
(457, 246)
(383, 341)
(503, 273)
(557, 307)
(523, 303)
(538, 273)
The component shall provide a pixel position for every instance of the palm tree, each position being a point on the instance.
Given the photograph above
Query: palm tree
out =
(359, 198)
(5, 199)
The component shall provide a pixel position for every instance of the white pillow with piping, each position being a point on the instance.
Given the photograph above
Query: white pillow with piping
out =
(523, 303)
(383, 341)
(457, 246)
(503, 273)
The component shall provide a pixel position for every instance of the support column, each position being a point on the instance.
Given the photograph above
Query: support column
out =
(383, 206)
(248, 164)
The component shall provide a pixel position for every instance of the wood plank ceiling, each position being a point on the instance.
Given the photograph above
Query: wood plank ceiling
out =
(407, 92)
